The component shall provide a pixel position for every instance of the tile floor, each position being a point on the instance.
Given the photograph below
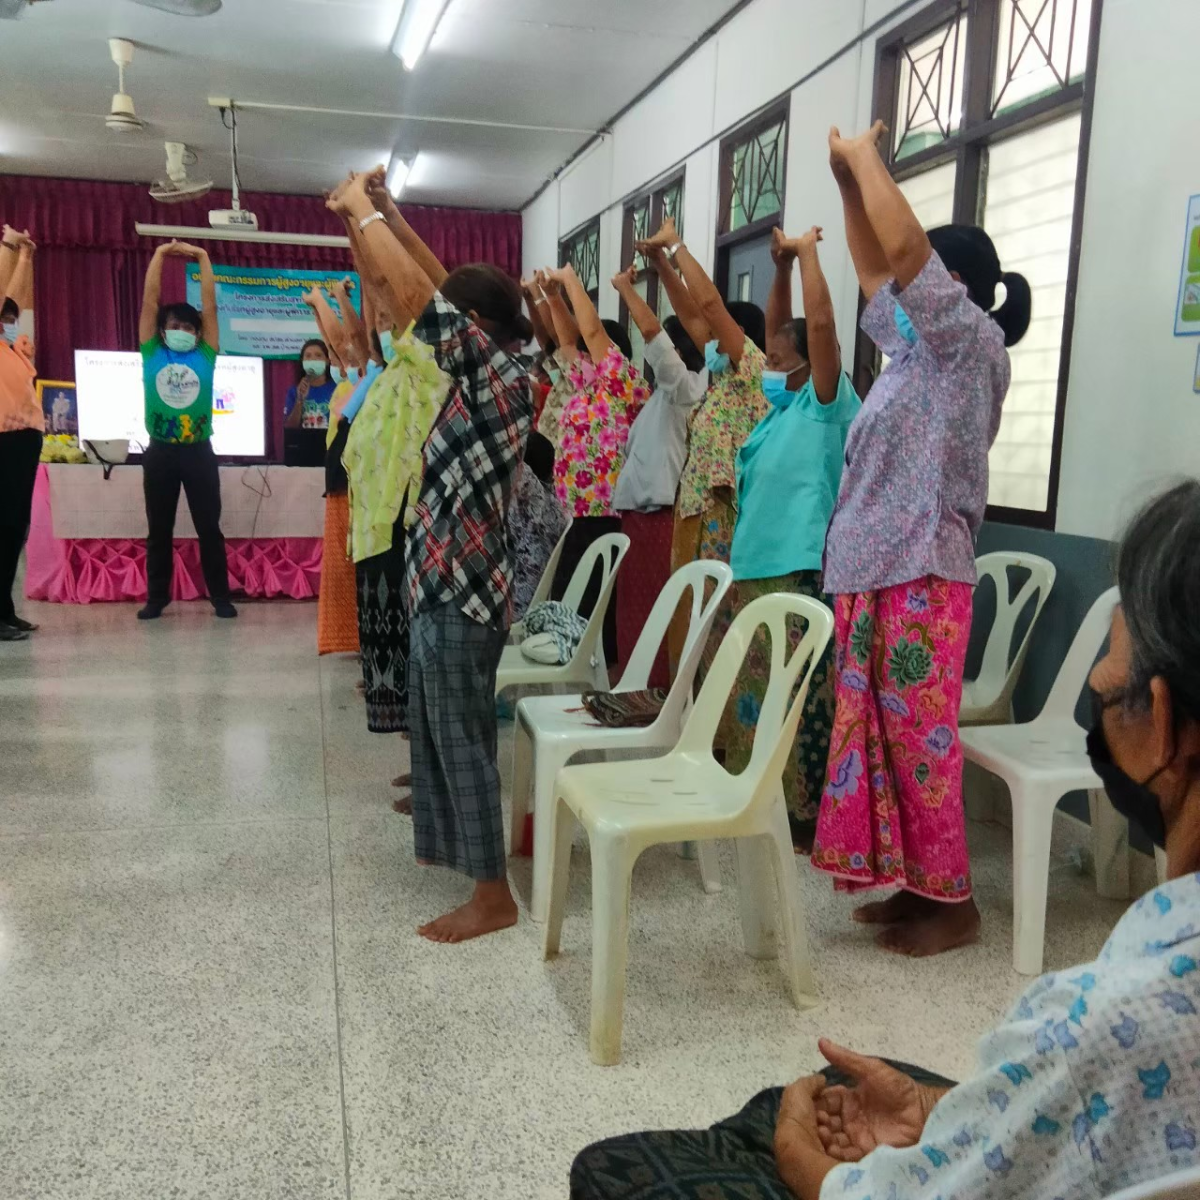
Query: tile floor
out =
(209, 980)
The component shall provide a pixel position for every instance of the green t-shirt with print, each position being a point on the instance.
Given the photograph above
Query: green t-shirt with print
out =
(179, 392)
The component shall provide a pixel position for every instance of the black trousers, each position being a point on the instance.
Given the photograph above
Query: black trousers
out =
(20, 451)
(734, 1160)
(164, 467)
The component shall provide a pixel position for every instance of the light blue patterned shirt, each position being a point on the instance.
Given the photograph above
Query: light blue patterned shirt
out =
(1091, 1085)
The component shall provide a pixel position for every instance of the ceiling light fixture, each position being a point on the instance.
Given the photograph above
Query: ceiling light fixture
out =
(199, 233)
(419, 20)
(399, 169)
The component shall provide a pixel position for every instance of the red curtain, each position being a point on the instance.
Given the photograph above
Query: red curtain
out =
(91, 262)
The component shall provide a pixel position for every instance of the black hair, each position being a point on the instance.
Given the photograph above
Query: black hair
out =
(376, 344)
(494, 298)
(685, 347)
(300, 360)
(968, 252)
(750, 317)
(1158, 574)
(617, 334)
(539, 456)
(185, 314)
(796, 332)
(9, 309)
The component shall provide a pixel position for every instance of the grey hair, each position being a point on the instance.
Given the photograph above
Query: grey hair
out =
(1158, 573)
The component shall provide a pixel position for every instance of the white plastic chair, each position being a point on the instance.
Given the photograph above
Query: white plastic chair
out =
(1184, 1185)
(1041, 761)
(987, 699)
(551, 730)
(688, 796)
(587, 667)
(517, 633)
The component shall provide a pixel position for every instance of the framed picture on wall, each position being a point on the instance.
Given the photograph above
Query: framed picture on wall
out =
(1187, 314)
(57, 398)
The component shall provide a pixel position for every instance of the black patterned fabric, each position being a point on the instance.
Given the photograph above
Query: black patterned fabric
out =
(734, 1160)
(383, 639)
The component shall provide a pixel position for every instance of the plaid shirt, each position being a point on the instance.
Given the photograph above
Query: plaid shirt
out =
(457, 550)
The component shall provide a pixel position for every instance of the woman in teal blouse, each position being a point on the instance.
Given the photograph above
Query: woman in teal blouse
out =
(788, 473)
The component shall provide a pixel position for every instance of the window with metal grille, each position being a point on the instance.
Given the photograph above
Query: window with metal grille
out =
(582, 250)
(989, 103)
(643, 216)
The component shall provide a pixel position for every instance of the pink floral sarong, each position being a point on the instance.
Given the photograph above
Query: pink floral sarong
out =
(892, 812)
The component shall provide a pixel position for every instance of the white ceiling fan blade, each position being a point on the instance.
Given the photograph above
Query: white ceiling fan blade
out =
(183, 8)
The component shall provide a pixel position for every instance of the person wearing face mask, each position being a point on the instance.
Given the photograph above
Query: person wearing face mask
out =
(307, 404)
(21, 426)
(179, 349)
(654, 458)
(900, 556)
(788, 472)
(732, 338)
(1091, 1084)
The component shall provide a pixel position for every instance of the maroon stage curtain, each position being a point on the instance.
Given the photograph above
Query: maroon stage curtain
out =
(91, 263)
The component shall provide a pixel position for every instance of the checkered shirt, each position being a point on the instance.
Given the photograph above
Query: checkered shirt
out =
(457, 549)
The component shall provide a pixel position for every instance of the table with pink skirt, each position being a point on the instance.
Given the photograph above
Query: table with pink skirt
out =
(87, 534)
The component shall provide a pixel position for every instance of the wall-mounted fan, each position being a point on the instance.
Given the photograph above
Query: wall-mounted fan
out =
(177, 187)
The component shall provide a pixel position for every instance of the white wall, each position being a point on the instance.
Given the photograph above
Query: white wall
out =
(1132, 418)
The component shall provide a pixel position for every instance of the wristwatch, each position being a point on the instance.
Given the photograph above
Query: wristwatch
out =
(375, 216)
(674, 250)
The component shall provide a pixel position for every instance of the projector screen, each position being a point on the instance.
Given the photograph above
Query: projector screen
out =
(111, 403)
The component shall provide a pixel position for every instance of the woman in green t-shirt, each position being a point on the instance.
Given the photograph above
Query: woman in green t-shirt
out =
(179, 354)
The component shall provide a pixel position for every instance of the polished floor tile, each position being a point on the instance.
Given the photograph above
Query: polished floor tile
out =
(210, 983)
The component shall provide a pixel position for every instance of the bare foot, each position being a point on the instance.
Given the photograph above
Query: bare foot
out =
(903, 906)
(402, 781)
(952, 926)
(489, 910)
(403, 806)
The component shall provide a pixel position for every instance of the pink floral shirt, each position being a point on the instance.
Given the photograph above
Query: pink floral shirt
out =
(593, 430)
(721, 423)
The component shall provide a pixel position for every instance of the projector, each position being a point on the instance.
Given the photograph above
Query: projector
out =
(232, 218)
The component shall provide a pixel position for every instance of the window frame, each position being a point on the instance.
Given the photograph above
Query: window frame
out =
(727, 240)
(577, 235)
(967, 148)
(655, 196)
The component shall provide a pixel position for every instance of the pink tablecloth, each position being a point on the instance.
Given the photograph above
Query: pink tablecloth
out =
(86, 570)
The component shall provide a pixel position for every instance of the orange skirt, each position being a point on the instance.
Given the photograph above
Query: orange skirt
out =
(337, 603)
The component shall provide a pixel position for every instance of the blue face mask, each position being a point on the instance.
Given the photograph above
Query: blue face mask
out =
(9, 329)
(385, 342)
(315, 366)
(905, 326)
(179, 340)
(340, 376)
(716, 362)
(775, 388)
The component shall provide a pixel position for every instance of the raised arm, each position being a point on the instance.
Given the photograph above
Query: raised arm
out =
(210, 329)
(824, 353)
(152, 295)
(704, 292)
(535, 301)
(408, 285)
(686, 309)
(10, 249)
(590, 327)
(20, 284)
(779, 302)
(354, 332)
(565, 329)
(402, 230)
(644, 317)
(880, 224)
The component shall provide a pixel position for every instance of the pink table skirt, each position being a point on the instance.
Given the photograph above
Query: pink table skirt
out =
(87, 570)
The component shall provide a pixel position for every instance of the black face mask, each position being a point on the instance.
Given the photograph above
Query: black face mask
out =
(1134, 801)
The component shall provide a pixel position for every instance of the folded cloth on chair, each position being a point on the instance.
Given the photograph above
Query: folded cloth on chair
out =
(555, 619)
(625, 710)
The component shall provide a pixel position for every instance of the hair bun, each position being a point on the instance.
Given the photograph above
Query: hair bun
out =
(1015, 314)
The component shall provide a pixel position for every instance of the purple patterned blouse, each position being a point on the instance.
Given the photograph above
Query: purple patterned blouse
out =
(915, 485)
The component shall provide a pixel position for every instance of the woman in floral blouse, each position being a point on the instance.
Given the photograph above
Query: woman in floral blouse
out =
(732, 338)
(593, 427)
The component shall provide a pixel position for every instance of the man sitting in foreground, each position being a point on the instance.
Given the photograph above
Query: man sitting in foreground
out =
(1092, 1084)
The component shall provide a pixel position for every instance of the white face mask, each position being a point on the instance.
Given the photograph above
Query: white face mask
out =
(315, 366)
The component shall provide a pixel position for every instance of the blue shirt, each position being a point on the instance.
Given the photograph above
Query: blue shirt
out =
(316, 405)
(788, 474)
(1090, 1086)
